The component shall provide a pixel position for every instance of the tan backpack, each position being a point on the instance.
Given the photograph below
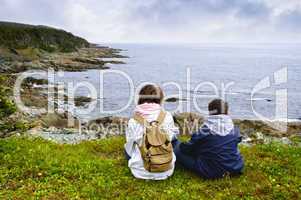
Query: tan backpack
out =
(156, 149)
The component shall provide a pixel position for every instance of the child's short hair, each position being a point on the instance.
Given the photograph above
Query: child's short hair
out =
(218, 107)
(150, 94)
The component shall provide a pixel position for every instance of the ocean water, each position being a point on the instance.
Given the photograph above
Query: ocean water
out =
(201, 72)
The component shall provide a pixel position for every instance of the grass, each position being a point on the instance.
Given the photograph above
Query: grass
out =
(32, 168)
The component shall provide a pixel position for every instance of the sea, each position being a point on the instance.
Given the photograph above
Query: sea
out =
(259, 81)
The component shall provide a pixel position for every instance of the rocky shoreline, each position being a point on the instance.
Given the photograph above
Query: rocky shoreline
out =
(30, 47)
(54, 126)
(33, 90)
(14, 61)
(252, 131)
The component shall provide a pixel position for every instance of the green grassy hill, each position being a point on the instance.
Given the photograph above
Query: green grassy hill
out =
(39, 169)
(21, 36)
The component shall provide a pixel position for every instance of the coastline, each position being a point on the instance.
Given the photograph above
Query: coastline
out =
(55, 126)
(252, 131)
(15, 61)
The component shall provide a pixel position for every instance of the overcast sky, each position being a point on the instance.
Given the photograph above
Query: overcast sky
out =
(178, 21)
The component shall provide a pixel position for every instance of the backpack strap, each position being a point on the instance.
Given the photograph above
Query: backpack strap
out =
(161, 117)
(141, 120)
(144, 122)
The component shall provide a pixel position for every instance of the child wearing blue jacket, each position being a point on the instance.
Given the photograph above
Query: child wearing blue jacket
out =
(212, 151)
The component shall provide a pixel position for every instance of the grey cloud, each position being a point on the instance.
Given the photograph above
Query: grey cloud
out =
(290, 21)
(178, 11)
(37, 12)
(253, 9)
(161, 20)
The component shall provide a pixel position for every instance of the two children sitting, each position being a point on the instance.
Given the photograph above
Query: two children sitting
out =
(152, 148)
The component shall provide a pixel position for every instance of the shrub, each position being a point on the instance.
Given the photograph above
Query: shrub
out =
(21, 36)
